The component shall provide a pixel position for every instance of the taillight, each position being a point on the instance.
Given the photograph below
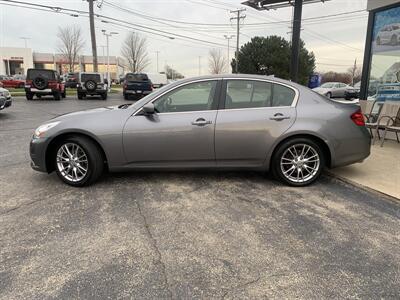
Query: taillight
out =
(358, 118)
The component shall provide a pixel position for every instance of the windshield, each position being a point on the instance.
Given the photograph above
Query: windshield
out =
(136, 77)
(48, 74)
(94, 77)
(328, 85)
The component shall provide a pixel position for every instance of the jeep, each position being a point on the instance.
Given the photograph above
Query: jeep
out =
(91, 84)
(42, 82)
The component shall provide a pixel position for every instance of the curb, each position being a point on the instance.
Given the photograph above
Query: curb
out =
(360, 186)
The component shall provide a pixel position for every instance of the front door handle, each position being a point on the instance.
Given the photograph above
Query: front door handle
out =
(201, 122)
(279, 117)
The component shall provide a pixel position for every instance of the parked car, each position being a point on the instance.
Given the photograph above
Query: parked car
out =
(136, 86)
(121, 79)
(158, 80)
(9, 82)
(5, 98)
(91, 83)
(218, 122)
(332, 89)
(42, 82)
(352, 92)
(71, 80)
(389, 34)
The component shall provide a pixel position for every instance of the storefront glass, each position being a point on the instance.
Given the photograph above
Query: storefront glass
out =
(384, 80)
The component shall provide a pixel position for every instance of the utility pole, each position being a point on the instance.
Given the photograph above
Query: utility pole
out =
(93, 35)
(108, 56)
(104, 62)
(199, 65)
(354, 72)
(238, 17)
(229, 38)
(157, 52)
(296, 28)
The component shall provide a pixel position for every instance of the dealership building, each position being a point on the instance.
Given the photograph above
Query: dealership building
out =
(381, 66)
(18, 60)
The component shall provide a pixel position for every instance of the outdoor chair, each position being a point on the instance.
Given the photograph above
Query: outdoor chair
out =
(367, 107)
(392, 125)
(388, 109)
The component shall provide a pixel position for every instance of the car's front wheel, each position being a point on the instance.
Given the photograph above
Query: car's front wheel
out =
(78, 161)
(298, 162)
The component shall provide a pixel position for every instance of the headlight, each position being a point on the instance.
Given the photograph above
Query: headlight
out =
(42, 129)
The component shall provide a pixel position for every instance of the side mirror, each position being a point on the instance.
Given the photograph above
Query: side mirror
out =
(148, 109)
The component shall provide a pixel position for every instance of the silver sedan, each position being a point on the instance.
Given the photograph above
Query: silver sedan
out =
(214, 122)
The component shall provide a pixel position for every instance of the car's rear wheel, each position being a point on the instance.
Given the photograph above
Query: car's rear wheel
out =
(329, 95)
(64, 94)
(126, 96)
(78, 161)
(298, 162)
(80, 96)
(104, 96)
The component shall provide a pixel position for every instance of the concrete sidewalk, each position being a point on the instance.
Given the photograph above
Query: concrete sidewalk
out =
(380, 171)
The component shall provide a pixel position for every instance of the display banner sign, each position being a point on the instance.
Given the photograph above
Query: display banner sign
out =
(386, 32)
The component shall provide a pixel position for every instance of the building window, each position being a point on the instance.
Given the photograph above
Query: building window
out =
(384, 77)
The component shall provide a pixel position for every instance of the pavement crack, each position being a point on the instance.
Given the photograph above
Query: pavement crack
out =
(157, 250)
(241, 286)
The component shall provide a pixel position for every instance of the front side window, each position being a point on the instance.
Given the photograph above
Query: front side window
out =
(253, 94)
(196, 96)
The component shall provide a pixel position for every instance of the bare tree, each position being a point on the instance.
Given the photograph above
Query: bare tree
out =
(70, 44)
(134, 50)
(217, 61)
(172, 73)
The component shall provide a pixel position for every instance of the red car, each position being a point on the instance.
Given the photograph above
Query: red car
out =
(42, 82)
(9, 82)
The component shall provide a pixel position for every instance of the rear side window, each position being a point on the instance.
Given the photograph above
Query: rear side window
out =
(48, 74)
(94, 77)
(252, 94)
(283, 96)
(136, 77)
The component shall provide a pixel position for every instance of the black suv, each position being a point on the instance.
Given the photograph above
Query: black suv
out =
(91, 84)
(42, 82)
(136, 85)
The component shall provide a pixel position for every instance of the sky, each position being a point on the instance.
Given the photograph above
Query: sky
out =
(336, 43)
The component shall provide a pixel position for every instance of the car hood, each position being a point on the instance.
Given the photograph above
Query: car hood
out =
(81, 113)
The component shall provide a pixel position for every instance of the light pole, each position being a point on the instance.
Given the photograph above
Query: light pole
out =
(104, 62)
(25, 40)
(228, 37)
(157, 52)
(108, 34)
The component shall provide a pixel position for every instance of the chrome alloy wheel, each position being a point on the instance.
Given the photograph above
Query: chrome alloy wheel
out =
(300, 163)
(72, 162)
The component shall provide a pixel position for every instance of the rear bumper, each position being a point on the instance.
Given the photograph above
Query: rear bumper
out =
(95, 92)
(41, 92)
(136, 92)
(37, 151)
(353, 150)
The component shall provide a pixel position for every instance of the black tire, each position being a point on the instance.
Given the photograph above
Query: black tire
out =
(95, 166)
(282, 151)
(40, 83)
(64, 94)
(90, 85)
(104, 96)
(329, 95)
(126, 96)
(347, 97)
(29, 96)
(21, 85)
(57, 96)
(80, 96)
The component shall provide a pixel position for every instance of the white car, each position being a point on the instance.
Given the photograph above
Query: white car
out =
(332, 89)
(389, 34)
(5, 98)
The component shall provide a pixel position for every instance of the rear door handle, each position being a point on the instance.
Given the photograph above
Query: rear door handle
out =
(201, 122)
(279, 117)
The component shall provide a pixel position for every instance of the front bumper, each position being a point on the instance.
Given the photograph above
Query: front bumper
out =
(37, 151)
(5, 102)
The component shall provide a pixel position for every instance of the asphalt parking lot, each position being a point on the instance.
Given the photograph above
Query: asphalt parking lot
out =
(185, 235)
